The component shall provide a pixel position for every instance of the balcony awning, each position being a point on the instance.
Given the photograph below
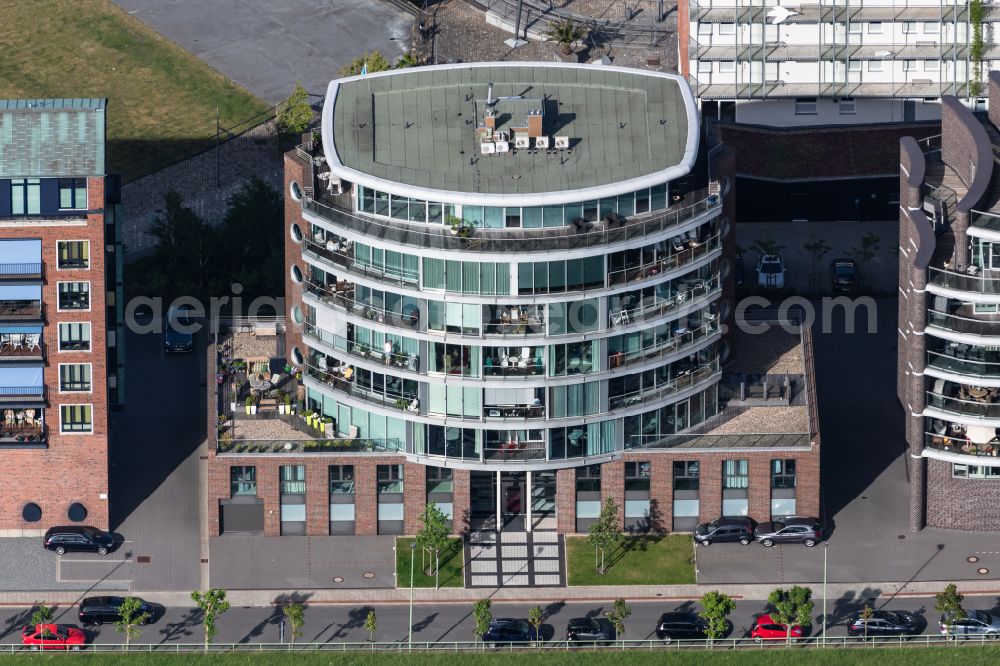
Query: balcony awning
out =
(978, 434)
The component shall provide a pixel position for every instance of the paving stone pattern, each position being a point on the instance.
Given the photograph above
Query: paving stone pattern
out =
(514, 559)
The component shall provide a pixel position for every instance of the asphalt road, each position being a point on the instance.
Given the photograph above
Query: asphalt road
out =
(433, 622)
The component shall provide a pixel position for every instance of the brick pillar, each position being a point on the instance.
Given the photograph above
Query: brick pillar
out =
(566, 501)
(661, 493)
(613, 486)
(414, 496)
(268, 489)
(710, 489)
(759, 492)
(317, 497)
(365, 498)
(461, 501)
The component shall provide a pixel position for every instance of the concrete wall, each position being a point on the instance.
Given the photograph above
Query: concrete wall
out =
(868, 111)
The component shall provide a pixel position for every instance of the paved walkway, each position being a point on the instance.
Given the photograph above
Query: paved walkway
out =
(519, 559)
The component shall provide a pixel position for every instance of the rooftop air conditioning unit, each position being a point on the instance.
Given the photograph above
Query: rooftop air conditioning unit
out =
(522, 142)
(487, 148)
(541, 142)
(562, 142)
(503, 147)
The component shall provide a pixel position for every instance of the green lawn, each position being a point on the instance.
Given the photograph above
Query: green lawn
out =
(666, 560)
(958, 656)
(451, 566)
(161, 99)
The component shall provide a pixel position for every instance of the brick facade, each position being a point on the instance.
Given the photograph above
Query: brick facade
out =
(961, 504)
(71, 468)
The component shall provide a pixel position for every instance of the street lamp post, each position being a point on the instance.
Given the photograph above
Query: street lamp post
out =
(413, 556)
(825, 547)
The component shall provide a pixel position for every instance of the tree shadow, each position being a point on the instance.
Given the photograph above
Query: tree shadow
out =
(355, 620)
(182, 628)
(639, 543)
(14, 623)
(424, 623)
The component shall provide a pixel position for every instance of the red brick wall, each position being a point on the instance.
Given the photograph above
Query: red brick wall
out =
(414, 495)
(566, 500)
(295, 170)
(74, 468)
(461, 500)
(613, 486)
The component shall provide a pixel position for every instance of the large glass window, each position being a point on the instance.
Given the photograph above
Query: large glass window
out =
(439, 480)
(242, 481)
(782, 473)
(583, 440)
(467, 277)
(25, 196)
(72, 193)
(74, 295)
(454, 359)
(451, 317)
(73, 254)
(686, 474)
(573, 317)
(389, 479)
(513, 361)
(553, 277)
(74, 336)
(341, 479)
(637, 475)
(293, 479)
(573, 358)
(581, 399)
(74, 377)
(76, 418)
(735, 474)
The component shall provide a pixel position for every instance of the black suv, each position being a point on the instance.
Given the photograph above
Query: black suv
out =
(724, 529)
(883, 623)
(79, 538)
(806, 531)
(508, 630)
(588, 630)
(680, 626)
(97, 610)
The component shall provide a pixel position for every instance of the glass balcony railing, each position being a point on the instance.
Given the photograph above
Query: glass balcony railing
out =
(959, 324)
(971, 401)
(511, 240)
(345, 259)
(21, 310)
(397, 359)
(681, 340)
(971, 367)
(656, 306)
(21, 271)
(688, 378)
(347, 384)
(957, 443)
(980, 282)
(743, 441)
(342, 445)
(342, 297)
(689, 252)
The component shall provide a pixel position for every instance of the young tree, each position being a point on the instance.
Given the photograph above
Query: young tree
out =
(535, 619)
(295, 113)
(433, 534)
(371, 62)
(716, 608)
(866, 614)
(371, 624)
(604, 533)
(482, 614)
(949, 604)
(253, 255)
(767, 246)
(42, 615)
(791, 607)
(295, 612)
(619, 612)
(212, 603)
(184, 248)
(132, 616)
(817, 249)
(867, 250)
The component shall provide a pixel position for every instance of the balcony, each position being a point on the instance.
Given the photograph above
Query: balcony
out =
(683, 251)
(611, 232)
(656, 306)
(686, 378)
(709, 441)
(21, 310)
(978, 282)
(341, 254)
(514, 411)
(341, 297)
(954, 439)
(681, 340)
(252, 446)
(19, 347)
(966, 325)
(969, 401)
(21, 272)
(342, 378)
(961, 359)
(23, 426)
(22, 395)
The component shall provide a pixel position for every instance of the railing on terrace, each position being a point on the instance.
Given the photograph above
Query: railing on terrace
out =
(347, 261)
(334, 445)
(741, 441)
(400, 360)
(514, 411)
(690, 378)
(353, 388)
(678, 342)
(644, 645)
(963, 366)
(650, 308)
(11, 392)
(930, 144)
(20, 270)
(983, 282)
(963, 406)
(959, 324)
(19, 310)
(984, 220)
(961, 445)
(513, 240)
(345, 300)
(664, 264)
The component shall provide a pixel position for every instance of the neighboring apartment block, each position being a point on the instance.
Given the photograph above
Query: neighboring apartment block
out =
(789, 63)
(949, 336)
(59, 300)
(508, 287)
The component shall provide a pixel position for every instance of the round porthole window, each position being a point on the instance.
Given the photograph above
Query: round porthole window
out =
(296, 233)
(295, 191)
(297, 357)
(297, 318)
(296, 274)
(31, 512)
(77, 512)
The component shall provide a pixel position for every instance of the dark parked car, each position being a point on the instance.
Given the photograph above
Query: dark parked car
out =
(508, 630)
(844, 275)
(724, 529)
(806, 531)
(976, 623)
(884, 623)
(98, 610)
(78, 538)
(680, 626)
(177, 335)
(588, 630)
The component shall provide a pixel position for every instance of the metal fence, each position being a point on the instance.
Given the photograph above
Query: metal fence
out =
(649, 645)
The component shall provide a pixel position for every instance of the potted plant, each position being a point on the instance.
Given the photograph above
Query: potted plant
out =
(251, 405)
(289, 407)
(565, 33)
(232, 403)
(401, 403)
(328, 426)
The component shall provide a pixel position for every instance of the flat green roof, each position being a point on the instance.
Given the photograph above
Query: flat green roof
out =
(52, 137)
(417, 127)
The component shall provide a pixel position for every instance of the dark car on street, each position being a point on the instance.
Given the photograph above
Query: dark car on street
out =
(177, 335)
(724, 529)
(588, 630)
(806, 531)
(78, 538)
(680, 626)
(98, 610)
(508, 630)
(844, 275)
(883, 623)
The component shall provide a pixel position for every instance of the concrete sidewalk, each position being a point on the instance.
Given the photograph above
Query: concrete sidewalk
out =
(264, 598)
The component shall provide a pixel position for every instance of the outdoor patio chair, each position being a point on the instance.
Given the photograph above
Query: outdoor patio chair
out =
(17, 341)
(31, 340)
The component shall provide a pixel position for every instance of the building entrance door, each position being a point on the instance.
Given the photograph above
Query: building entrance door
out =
(512, 499)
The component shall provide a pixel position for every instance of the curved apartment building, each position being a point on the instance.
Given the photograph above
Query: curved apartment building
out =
(949, 382)
(507, 288)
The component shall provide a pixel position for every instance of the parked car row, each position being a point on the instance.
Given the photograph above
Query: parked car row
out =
(771, 273)
(93, 612)
(795, 529)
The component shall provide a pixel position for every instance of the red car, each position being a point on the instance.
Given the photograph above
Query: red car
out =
(53, 637)
(764, 628)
